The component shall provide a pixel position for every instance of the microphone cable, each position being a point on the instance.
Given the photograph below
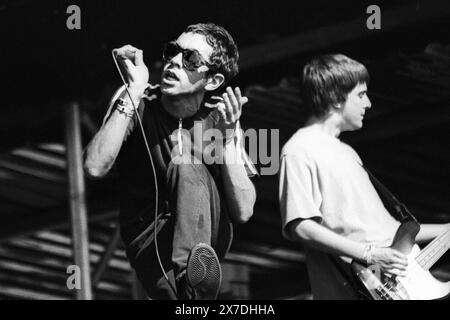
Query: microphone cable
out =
(154, 174)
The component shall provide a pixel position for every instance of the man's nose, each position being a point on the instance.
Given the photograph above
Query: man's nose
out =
(177, 60)
(368, 103)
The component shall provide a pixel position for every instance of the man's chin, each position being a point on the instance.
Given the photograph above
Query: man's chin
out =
(168, 90)
(358, 125)
(353, 126)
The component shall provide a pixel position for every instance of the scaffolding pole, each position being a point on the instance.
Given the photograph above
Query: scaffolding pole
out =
(77, 199)
(109, 251)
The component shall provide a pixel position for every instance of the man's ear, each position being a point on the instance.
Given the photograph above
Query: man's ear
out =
(214, 81)
(336, 107)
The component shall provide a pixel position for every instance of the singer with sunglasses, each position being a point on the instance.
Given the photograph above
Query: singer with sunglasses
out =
(196, 203)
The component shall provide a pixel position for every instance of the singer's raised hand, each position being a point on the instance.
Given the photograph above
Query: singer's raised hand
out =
(136, 72)
(229, 106)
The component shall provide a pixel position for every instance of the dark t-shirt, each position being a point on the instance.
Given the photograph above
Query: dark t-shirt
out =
(137, 186)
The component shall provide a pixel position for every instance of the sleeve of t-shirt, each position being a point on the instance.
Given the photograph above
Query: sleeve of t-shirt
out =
(299, 193)
(121, 93)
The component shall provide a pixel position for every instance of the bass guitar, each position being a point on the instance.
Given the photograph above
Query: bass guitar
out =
(419, 283)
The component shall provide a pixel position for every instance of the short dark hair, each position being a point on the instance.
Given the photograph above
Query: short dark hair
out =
(328, 79)
(225, 54)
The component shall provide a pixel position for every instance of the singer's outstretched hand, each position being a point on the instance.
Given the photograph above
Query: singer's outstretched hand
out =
(229, 106)
(135, 71)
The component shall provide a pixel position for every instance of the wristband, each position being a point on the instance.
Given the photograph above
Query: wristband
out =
(126, 107)
(125, 111)
(126, 102)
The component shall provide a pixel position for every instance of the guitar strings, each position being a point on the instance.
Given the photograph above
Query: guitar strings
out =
(435, 256)
(437, 242)
(389, 290)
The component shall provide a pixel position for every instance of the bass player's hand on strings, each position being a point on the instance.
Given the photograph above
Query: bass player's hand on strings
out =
(390, 261)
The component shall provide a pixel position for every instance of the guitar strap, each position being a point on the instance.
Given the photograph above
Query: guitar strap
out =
(395, 207)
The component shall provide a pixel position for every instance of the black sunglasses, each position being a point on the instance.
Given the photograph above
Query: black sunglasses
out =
(192, 59)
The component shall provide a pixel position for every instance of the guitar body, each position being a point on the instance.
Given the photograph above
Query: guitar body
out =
(418, 284)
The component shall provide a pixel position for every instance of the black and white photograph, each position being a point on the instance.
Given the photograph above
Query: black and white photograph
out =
(240, 153)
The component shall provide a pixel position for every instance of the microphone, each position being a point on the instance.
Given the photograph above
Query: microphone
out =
(124, 54)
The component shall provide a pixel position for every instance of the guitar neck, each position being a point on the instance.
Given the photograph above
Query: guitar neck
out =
(434, 251)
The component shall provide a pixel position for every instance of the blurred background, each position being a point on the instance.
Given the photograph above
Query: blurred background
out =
(56, 80)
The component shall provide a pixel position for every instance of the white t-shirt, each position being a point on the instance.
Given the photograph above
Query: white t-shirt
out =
(322, 178)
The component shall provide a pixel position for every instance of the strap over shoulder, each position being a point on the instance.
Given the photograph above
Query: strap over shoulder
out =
(395, 207)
